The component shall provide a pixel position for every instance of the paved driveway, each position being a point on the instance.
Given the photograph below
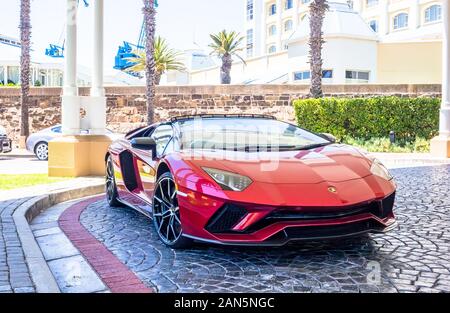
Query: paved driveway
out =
(414, 257)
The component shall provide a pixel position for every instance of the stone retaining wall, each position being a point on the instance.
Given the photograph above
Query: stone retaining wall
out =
(127, 107)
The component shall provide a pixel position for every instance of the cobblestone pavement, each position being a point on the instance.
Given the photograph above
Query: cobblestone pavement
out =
(413, 258)
(14, 272)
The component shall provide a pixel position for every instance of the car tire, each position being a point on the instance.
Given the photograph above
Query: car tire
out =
(166, 213)
(112, 195)
(41, 151)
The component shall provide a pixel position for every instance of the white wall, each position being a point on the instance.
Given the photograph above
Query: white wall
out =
(265, 68)
(339, 54)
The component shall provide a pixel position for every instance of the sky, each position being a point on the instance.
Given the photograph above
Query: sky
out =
(181, 22)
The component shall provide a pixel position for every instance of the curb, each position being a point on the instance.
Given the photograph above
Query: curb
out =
(116, 275)
(41, 275)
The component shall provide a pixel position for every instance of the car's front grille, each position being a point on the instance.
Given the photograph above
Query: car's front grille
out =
(316, 232)
(5, 144)
(380, 209)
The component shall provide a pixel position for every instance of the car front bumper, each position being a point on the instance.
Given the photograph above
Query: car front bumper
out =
(5, 145)
(227, 223)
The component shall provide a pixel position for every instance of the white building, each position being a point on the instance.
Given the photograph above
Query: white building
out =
(194, 59)
(366, 41)
(349, 53)
(347, 38)
(270, 23)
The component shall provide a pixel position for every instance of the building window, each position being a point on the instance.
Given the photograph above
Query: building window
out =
(374, 25)
(273, 9)
(357, 75)
(304, 75)
(288, 4)
(272, 49)
(250, 43)
(307, 74)
(371, 3)
(306, 1)
(272, 30)
(288, 25)
(249, 10)
(401, 21)
(327, 73)
(433, 13)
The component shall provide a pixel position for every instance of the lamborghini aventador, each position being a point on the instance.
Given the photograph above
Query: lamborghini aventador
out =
(247, 180)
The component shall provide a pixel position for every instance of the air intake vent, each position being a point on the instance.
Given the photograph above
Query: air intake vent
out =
(225, 219)
(127, 165)
(388, 205)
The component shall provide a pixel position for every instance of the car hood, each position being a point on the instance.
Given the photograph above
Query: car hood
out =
(332, 163)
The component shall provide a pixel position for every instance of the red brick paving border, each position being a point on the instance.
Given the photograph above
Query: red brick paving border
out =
(116, 275)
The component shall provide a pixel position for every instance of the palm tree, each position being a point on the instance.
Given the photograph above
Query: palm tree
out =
(317, 15)
(226, 45)
(150, 73)
(25, 39)
(166, 59)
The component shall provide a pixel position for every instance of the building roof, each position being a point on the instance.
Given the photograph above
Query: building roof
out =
(340, 21)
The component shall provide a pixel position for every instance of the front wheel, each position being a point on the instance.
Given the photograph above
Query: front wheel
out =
(41, 151)
(111, 187)
(166, 213)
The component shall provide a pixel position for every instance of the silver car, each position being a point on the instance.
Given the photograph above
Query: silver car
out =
(37, 143)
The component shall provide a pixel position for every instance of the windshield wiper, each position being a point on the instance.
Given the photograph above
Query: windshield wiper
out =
(314, 146)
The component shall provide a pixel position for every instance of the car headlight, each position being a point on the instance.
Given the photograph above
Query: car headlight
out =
(228, 180)
(380, 170)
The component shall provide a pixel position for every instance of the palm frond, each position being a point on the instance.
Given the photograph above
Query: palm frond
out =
(166, 59)
(226, 43)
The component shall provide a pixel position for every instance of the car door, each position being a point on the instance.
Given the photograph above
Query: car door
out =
(125, 169)
(147, 163)
(137, 171)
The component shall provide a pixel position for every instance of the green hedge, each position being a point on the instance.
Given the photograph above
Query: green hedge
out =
(370, 117)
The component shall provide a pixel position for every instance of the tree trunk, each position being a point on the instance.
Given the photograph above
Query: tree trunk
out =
(317, 15)
(225, 70)
(25, 38)
(150, 70)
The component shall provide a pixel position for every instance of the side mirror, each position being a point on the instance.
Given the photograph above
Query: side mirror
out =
(328, 137)
(144, 143)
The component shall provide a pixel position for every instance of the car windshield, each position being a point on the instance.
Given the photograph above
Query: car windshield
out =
(246, 134)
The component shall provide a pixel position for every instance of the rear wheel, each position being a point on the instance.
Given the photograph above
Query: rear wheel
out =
(41, 151)
(166, 213)
(111, 188)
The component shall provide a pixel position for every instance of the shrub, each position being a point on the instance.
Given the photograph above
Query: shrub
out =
(384, 145)
(366, 118)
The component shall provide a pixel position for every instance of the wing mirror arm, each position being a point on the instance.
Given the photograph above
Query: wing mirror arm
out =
(144, 143)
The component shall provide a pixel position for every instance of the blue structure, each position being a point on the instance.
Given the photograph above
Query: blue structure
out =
(126, 51)
(57, 51)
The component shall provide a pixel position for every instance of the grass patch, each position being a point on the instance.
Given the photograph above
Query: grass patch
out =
(419, 145)
(8, 182)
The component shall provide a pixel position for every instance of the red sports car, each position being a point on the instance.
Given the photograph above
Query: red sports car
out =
(247, 180)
